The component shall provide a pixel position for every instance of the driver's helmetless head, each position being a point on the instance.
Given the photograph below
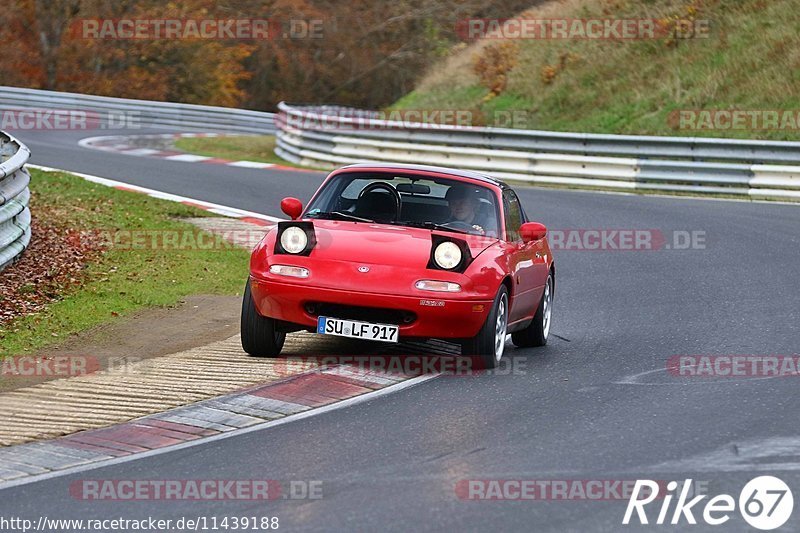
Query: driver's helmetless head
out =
(463, 202)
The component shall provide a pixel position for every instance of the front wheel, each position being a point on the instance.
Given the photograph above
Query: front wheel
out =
(259, 335)
(538, 331)
(490, 342)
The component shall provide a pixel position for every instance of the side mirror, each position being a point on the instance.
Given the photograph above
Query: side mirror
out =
(292, 207)
(532, 231)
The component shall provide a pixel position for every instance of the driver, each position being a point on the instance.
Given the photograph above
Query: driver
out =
(464, 203)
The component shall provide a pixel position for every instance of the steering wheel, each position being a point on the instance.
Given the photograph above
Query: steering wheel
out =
(469, 228)
(386, 187)
(459, 224)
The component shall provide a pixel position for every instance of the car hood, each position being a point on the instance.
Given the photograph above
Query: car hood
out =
(382, 243)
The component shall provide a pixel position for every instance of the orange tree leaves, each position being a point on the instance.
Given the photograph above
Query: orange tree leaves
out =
(369, 52)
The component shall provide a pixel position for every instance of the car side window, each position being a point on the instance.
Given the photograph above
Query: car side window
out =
(513, 215)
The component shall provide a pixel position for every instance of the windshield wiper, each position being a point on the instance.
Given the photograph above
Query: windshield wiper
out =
(339, 215)
(342, 215)
(431, 225)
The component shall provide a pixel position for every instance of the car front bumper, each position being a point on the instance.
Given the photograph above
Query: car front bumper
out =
(435, 316)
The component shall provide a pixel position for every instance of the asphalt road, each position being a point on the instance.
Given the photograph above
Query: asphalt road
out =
(595, 404)
(250, 189)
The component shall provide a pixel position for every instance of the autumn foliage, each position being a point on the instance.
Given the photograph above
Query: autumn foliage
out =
(365, 53)
(493, 64)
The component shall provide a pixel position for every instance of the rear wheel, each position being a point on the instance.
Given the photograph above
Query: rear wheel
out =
(259, 335)
(490, 342)
(538, 331)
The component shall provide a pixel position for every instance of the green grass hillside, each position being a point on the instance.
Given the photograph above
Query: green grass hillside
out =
(749, 61)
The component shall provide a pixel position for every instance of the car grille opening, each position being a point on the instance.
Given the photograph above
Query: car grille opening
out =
(377, 315)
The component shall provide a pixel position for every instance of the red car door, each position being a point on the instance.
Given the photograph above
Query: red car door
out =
(527, 262)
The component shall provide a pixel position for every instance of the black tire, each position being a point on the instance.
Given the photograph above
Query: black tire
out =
(484, 343)
(537, 332)
(259, 337)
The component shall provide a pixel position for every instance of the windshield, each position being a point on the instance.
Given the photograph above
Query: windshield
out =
(408, 200)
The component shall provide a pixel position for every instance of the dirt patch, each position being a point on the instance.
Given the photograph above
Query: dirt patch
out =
(196, 321)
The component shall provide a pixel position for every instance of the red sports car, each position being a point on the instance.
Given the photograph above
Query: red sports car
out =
(391, 252)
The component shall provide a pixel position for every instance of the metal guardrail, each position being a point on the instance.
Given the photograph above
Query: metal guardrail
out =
(329, 136)
(120, 112)
(15, 216)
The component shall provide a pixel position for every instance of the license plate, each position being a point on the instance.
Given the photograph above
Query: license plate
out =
(357, 330)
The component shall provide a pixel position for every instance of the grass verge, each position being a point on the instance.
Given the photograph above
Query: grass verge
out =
(120, 280)
(258, 148)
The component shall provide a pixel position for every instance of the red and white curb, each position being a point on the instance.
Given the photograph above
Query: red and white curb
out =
(127, 145)
(232, 212)
(253, 409)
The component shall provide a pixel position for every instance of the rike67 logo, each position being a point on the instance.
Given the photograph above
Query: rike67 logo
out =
(766, 503)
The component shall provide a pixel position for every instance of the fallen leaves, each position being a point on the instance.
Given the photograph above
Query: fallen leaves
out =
(54, 263)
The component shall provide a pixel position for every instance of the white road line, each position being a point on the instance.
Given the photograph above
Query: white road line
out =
(222, 436)
(215, 208)
(88, 142)
(188, 158)
(250, 164)
(141, 151)
(227, 212)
